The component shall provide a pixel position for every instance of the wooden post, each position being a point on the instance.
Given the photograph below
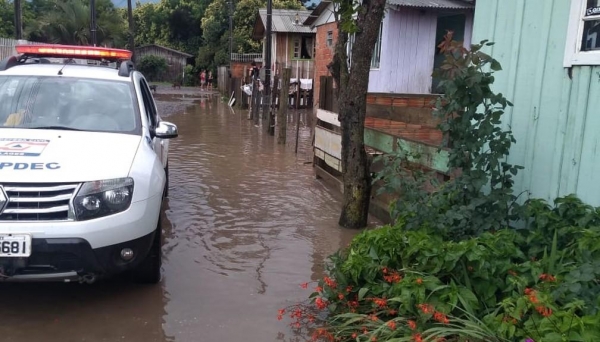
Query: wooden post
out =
(283, 106)
(297, 129)
(298, 95)
(254, 102)
(271, 114)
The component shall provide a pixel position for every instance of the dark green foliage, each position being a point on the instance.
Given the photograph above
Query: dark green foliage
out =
(152, 67)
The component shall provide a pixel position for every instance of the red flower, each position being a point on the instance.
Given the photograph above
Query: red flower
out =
(381, 302)
(440, 317)
(319, 289)
(304, 285)
(341, 296)
(411, 324)
(419, 281)
(391, 325)
(546, 312)
(321, 304)
(330, 282)
(547, 277)
(426, 308)
(280, 314)
(417, 338)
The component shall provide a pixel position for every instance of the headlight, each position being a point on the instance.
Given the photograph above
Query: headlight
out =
(103, 198)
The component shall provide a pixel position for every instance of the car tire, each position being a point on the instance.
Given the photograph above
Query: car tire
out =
(148, 271)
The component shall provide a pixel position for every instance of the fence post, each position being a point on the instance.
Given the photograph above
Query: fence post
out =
(255, 102)
(283, 106)
(271, 114)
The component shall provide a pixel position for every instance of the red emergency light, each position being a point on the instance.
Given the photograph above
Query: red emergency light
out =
(73, 51)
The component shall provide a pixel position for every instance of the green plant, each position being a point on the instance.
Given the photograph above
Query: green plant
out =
(479, 198)
(152, 67)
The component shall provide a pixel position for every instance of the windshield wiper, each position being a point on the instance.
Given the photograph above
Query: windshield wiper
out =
(66, 128)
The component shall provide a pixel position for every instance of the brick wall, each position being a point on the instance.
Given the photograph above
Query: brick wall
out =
(323, 56)
(237, 68)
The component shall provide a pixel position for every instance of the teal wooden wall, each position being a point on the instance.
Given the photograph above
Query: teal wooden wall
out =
(555, 120)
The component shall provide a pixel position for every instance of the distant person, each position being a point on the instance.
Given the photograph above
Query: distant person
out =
(210, 79)
(202, 79)
(254, 72)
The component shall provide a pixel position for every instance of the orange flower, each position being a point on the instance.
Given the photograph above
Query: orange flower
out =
(419, 281)
(546, 312)
(391, 325)
(528, 291)
(547, 277)
(330, 282)
(321, 304)
(417, 338)
(381, 302)
(411, 324)
(440, 317)
(426, 308)
(304, 285)
(373, 317)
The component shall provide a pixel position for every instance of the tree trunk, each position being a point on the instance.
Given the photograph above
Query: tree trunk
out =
(353, 86)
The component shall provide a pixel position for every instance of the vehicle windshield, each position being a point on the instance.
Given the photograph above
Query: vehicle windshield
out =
(66, 103)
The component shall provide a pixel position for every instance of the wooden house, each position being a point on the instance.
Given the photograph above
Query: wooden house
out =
(176, 60)
(292, 41)
(401, 87)
(550, 55)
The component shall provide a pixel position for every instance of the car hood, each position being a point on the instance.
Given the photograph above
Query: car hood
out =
(48, 156)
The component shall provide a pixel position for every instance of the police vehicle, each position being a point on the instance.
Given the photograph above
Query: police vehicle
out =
(83, 166)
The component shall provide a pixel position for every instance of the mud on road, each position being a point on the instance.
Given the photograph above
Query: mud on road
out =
(244, 225)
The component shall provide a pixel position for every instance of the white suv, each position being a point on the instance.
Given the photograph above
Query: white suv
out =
(83, 166)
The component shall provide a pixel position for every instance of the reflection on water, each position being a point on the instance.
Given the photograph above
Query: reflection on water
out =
(245, 224)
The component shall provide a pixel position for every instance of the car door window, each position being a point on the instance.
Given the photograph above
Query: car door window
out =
(148, 104)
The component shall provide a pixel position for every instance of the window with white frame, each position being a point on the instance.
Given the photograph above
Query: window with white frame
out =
(583, 38)
(376, 58)
(329, 38)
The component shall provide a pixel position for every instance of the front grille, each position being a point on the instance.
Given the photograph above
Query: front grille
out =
(37, 202)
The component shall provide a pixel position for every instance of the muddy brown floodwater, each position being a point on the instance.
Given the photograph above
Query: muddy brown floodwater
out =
(244, 225)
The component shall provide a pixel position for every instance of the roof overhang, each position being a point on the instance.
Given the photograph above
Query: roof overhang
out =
(435, 4)
(316, 13)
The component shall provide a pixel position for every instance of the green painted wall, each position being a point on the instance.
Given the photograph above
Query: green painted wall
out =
(555, 120)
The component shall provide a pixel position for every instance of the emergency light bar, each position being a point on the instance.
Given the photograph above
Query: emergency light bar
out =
(71, 51)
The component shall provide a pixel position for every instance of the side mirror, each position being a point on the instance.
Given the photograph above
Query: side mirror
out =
(166, 130)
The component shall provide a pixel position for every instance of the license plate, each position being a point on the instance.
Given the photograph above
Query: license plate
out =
(15, 245)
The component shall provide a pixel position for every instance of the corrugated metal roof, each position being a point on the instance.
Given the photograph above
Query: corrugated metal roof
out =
(445, 4)
(166, 48)
(284, 20)
(317, 12)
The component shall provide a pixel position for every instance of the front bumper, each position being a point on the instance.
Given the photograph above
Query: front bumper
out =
(73, 259)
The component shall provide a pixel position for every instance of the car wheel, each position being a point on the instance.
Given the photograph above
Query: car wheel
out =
(148, 271)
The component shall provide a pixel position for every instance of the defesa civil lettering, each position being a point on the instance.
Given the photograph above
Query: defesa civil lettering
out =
(28, 166)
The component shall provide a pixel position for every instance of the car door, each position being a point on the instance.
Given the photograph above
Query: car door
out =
(152, 118)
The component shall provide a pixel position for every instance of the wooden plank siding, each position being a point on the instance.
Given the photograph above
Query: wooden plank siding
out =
(408, 50)
(555, 115)
(176, 62)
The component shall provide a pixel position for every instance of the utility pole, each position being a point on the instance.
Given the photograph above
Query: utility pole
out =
(93, 21)
(230, 32)
(18, 20)
(131, 30)
(267, 97)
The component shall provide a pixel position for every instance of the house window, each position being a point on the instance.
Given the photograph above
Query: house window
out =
(329, 38)
(304, 47)
(583, 38)
(377, 50)
(376, 58)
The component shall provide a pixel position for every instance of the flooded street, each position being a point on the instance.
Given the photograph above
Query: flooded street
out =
(244, 225)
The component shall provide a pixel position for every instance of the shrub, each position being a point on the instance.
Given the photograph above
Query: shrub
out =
(152, 67)
(464, 261)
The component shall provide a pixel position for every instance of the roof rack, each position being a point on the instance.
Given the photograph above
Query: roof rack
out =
(29, 52)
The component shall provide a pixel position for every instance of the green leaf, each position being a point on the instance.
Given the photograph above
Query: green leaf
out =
(362, 292)
(495, 65)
